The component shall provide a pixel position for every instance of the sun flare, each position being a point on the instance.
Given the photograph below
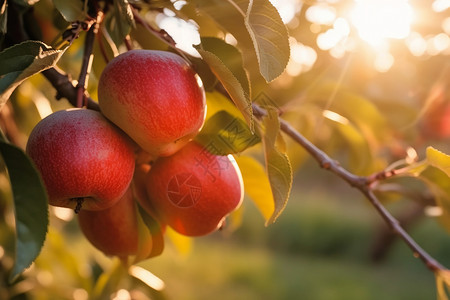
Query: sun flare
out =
(377, 20)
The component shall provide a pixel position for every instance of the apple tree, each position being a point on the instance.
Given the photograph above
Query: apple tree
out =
(208, 101)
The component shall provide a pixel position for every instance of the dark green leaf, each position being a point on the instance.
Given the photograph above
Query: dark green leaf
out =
(22, 61)
(3, 16)
(269, 36)
(278, 167)
(120, 21)
(225, 134)
(227, 70)
(71, 10)
(30, 205)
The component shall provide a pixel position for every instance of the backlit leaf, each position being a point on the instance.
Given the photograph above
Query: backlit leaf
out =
(149, 228)
(269, 36)
(225, 134)
(439, 185)
(257, 185)
(182, 243)
(30, 206)
(22, 61)
(442, 283)
(439, 160)
(229, 73)
(278, 167)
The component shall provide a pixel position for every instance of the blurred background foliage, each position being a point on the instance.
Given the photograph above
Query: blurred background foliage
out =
(367, 81)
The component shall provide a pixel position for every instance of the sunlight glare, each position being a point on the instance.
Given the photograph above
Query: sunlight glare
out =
(287, 9)
(302, 58)
(332, 37)
(446, 25)
(377, 20)
(331, 115)
(321, 14)
(416, 44)
(184, 33)
(440, 5)
(63, 213)
(147, 277)
(383, 62)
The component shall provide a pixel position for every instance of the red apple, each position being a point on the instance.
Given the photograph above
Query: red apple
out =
(114, 231)
(193, 190)
(155, 97)
(82, 158)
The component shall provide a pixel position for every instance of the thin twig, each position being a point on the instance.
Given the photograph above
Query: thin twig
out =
(359, 182)
(86, 65)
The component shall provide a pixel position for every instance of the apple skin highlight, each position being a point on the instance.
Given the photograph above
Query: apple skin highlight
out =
(81, 155)
(155, 97)
(193, 190)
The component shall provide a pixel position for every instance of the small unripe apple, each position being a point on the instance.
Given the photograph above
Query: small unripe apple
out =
(83, 159)
(193, 190)
(155, 97)
(115, 230)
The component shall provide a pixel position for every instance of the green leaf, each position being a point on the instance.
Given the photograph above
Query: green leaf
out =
(257, 185)
(72, 10)
(278, 167)
(120, 21)
(229, 73)
(439, 185)
(149, 228)
(438, 160)
(230, 56)
(269, 36)
(22, 61)
(30, 205)
(225, 134)
(229, 16)
(359, 154)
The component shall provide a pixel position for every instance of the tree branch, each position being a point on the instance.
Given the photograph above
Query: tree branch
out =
(359, 182)
(65, 89)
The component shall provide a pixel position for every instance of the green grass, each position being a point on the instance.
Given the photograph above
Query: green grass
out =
(225, 270)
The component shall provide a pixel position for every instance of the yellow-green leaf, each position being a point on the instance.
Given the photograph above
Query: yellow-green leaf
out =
(231, 80)
(270, 38)
(257, 185)
(438, 160)
(439, 185)
(278, 166)
(442, 283)
(181, 242)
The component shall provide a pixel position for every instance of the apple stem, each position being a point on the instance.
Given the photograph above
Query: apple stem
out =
(80, 201)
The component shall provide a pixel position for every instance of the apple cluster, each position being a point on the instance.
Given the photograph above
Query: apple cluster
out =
(135, 162)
